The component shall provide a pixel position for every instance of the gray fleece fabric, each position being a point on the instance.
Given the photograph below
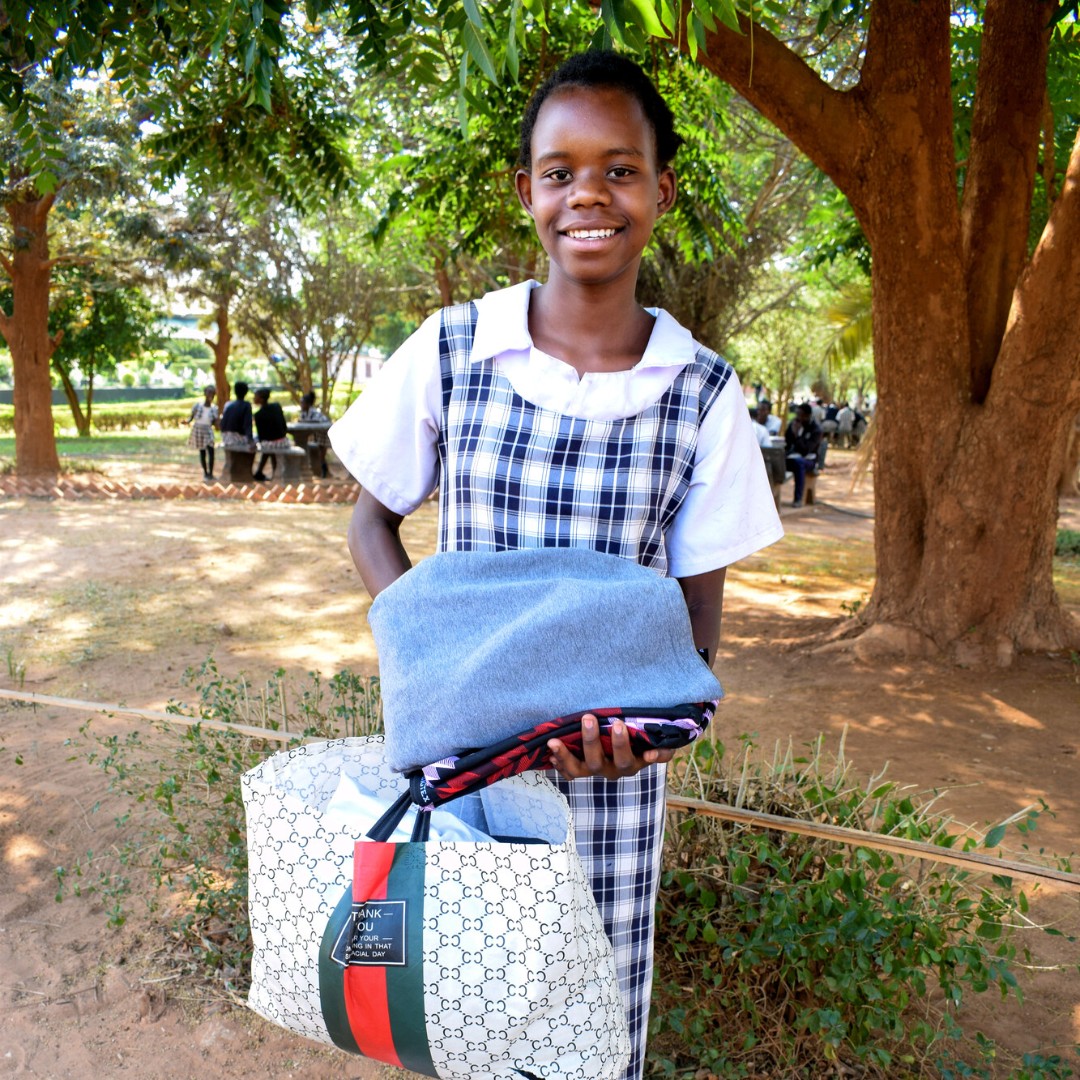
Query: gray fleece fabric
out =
(475, 647)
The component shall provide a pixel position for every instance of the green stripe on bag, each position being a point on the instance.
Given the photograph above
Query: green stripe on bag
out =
(332, 978)
(405, 985)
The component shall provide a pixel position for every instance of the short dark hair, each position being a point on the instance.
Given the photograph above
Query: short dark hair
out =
(240, 389)
(609, 70)
(308, 398)
(805, 409)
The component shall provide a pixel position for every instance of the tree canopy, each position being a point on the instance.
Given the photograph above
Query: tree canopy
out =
(950, 130)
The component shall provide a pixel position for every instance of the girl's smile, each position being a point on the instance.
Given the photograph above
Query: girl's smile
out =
(594, 190)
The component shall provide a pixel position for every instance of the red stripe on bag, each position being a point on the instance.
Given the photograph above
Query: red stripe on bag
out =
(365, 986)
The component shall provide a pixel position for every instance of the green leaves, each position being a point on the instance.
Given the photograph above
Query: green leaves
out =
(477, 48)
(800, 951)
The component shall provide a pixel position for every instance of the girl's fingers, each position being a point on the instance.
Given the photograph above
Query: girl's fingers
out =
(596, 763)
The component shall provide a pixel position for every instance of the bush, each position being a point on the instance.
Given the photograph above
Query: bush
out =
(187, 834)
(139, 417)
(802, 952)
(1067, 544)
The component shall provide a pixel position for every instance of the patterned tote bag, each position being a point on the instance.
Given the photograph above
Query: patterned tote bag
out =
(478, 951)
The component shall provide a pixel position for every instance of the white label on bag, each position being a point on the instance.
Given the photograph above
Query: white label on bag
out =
(374, 935)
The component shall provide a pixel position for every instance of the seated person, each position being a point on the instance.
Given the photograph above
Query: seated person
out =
(272, 432)
(829, 424)
(801, 443)
(309, 414)
(845, 424)
(761, 432)
(235, 425)
(765, 417)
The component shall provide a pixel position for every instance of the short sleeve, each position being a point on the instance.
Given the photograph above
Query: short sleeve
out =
(388, 437)
(728, 512)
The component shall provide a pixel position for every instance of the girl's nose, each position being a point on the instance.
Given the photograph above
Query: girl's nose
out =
(589, 189)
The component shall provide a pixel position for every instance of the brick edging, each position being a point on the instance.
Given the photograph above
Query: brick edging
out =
(66, 487)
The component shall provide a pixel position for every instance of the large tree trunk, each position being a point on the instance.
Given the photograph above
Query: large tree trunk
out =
(26, 331)
(975, 345)
(221, 349)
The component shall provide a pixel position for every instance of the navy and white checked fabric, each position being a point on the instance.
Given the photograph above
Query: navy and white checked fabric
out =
(515, 475)
(619, 829)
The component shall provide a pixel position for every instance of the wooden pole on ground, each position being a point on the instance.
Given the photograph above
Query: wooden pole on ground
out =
(838, 834)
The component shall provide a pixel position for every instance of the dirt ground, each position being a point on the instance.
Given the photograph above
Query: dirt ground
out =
(111, 601)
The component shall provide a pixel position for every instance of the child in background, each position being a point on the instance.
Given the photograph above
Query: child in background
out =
(565, 414)
(203, 420)
(309, 414)
(236, 420)
(272, 431)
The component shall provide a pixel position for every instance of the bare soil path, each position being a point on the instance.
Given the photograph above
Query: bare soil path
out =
(111, 601)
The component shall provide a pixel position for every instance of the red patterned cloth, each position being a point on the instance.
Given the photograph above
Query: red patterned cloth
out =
(649, 729)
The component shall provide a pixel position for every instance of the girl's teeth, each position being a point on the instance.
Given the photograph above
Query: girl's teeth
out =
(591, 234)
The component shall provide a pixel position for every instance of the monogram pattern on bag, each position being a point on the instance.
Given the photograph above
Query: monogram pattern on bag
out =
(518, 976)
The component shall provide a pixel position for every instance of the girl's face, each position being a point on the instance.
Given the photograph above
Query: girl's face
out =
(594, 190)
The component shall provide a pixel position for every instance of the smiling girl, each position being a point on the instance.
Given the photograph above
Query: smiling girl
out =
(564, 414)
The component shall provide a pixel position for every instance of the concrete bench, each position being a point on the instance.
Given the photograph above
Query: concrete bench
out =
(290, 465)
(290, 468)
(239, 465)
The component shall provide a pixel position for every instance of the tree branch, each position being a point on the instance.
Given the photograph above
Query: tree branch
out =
(822, 122)
(1044, 321)
(42, 208)
(63, 260)
(5, 265)
(1006, 125)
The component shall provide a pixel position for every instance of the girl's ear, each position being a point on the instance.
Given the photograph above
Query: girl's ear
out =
(523, 183)
(666, 190)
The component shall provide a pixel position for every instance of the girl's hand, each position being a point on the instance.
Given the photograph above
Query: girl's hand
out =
(621, 763)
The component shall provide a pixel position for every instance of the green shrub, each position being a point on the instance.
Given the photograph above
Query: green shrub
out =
(1067, 545)
(184, 832)
(781, 953)
(166, 414)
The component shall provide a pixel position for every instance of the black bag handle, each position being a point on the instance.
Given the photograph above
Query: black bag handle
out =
(384, 828)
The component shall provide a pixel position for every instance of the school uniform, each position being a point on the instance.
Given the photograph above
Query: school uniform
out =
(202, 419)
(315, 415)
(658, 464)
(236, 426)
(271, 428)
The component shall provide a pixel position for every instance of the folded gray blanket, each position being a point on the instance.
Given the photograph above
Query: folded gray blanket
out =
(477, 646)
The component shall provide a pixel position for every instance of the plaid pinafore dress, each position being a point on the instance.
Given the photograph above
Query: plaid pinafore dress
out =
(515, 475)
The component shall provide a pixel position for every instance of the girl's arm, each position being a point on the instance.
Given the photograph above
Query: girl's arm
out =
(375, 544)
(704, 595)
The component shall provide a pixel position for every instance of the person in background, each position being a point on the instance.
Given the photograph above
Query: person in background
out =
(236, 421)
(845, 424)
(203, 420)
(829, 424)
(802, 441)
(761, 432)
(319, 440)
(765, 417)
(271, 431)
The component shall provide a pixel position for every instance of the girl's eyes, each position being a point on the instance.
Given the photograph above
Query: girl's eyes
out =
(561, 176)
